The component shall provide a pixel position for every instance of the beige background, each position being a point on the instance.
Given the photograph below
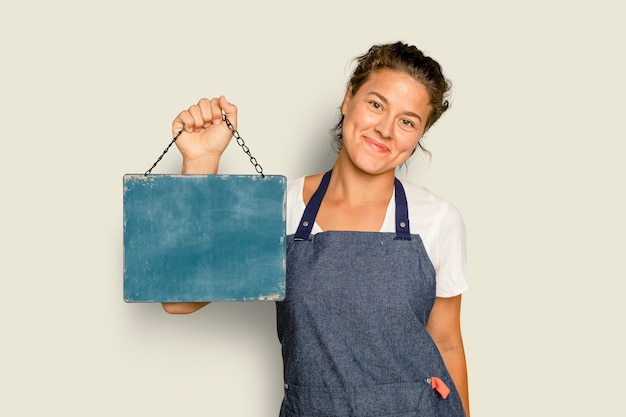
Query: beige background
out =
(531, 152)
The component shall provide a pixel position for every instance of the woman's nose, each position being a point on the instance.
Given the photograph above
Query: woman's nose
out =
(385, 126)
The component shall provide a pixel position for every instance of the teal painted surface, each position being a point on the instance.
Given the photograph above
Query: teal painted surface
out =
(204, 238)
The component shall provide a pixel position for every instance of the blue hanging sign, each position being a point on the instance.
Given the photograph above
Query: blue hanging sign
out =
(204, 238)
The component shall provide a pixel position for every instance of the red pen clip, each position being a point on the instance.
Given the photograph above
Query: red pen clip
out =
(440, 386)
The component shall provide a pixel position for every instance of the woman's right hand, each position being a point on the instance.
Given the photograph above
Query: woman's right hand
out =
(205, 134)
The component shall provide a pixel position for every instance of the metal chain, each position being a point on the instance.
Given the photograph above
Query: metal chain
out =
(258, 168)
(163, 154)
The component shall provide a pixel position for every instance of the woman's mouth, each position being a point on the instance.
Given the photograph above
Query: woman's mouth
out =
(375, 146)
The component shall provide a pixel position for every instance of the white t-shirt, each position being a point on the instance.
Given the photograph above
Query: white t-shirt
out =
(439, 224)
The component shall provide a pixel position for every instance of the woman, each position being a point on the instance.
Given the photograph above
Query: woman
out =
(371, 321)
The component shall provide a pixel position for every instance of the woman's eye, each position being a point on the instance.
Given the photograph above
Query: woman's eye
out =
(375, 105)
(407, 123)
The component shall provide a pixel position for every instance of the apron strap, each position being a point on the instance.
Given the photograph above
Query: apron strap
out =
(310, 212)
(403, 231)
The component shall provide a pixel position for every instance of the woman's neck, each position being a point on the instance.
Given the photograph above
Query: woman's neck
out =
(358, 188)
(354, 201)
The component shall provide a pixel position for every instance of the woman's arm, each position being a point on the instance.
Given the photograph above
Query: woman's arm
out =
(182, 308)
(204, 138)
(444, 326)
(205, 135)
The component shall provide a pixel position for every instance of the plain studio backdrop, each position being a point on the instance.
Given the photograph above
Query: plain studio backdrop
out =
(531, 153)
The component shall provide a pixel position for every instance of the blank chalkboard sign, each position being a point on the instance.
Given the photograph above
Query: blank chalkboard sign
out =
(204, 237)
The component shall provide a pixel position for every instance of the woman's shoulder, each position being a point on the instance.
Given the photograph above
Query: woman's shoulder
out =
(422, 194)
(295, 183)
(428, 203)
(294, 189)
(295, 203)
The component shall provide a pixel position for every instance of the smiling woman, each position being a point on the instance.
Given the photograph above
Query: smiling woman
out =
(370, 324)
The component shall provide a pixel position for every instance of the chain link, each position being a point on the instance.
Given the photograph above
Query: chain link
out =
(258, 168)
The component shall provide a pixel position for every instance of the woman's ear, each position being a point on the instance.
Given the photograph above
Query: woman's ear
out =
(346, 100)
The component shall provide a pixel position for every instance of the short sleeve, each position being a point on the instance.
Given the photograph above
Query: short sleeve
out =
(451, 253)
(442, 230)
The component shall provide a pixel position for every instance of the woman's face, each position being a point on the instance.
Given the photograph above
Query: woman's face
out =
(384, 120)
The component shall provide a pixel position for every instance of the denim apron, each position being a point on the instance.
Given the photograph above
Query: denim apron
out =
(353, 323)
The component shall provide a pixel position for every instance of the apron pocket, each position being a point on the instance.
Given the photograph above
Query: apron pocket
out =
(397, 400)
(388, 400)
(303, 401)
